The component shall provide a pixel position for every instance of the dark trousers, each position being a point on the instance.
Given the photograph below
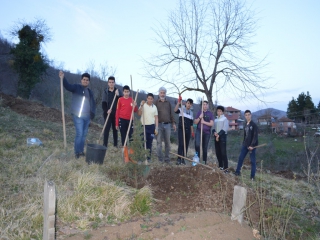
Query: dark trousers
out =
(205, 143)
(111, 122)
(221, 151)
(243, 153)
(124, 125)
(149, 136)
(181, 144)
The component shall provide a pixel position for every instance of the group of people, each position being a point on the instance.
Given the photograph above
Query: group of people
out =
(158, 120)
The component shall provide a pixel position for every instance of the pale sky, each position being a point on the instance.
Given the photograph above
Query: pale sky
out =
(120, 33)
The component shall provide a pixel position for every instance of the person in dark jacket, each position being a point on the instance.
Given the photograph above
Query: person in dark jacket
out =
(108, 96)
(250, 141)
(205, 118)
(187, 114)
(83, 109)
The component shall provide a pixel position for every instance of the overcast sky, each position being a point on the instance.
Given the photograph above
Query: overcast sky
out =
(120, 33)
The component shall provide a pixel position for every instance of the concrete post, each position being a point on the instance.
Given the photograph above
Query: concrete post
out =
(239, 203)
(49, 211)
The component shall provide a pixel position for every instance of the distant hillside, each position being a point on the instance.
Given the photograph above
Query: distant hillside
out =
(273, 112)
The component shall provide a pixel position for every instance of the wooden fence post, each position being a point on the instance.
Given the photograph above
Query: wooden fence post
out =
(49, 211)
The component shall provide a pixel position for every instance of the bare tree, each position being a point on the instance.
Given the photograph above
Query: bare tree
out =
(98, 81)
(106, 71)
(207, 43)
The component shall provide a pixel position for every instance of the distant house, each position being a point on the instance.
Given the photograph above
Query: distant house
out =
(266, 120)
(285, 125)
(233, 115)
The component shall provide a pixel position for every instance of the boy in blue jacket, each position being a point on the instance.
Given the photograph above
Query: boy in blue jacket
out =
(83, 109)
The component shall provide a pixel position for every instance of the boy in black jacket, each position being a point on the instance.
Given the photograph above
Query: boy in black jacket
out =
(107, 99)
(250, 140)
(188, 127)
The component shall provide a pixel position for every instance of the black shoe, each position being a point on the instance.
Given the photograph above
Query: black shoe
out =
(183, 162)
(178, 162)
(236, 174)
(77, 155)
(226, 171)
(82, 154)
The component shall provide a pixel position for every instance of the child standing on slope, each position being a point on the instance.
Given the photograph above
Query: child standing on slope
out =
(123, 114)
(219, 131)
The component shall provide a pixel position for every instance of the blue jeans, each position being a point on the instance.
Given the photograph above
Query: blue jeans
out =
(205, 142)
(81, 124)
(243, 153)
(149, 137)
(164, 131)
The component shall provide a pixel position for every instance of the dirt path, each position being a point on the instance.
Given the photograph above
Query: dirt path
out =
(203, 225)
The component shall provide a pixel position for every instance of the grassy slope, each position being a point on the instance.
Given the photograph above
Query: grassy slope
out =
(24, 170)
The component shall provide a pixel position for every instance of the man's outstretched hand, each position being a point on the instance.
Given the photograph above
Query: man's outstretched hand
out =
(61, 74)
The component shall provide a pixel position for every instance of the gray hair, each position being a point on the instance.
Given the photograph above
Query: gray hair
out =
(163, 89)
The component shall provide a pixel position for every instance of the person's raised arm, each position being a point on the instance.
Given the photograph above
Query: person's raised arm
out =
(66, 84)
(176, 108)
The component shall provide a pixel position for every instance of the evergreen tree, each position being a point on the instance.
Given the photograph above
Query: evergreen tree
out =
(302, 109)
(28, 61)
(292, 110)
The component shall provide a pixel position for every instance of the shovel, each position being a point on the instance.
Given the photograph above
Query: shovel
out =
(201, 130)
(144, 134)
(105, 124)
(62, 111)
(125, 148)
(190, 160)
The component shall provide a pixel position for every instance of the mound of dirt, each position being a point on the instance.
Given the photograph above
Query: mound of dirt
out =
(38, 110)
(191, 189)
(189, 202)
(33, 109)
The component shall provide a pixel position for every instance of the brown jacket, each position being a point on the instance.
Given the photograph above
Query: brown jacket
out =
(165, 112)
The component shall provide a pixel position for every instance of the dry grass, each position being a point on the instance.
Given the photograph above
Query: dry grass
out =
(85, 195)
(287, 207)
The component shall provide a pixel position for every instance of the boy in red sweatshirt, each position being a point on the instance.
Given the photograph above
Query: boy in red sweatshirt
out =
(123, 113)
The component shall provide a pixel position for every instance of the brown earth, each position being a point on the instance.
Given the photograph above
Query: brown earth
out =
(189, 200)
(37, 110)
(191, 203)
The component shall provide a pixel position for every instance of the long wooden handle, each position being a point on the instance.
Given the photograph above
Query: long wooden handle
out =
(183, 130)
(190, 160)
(144, 129)
(125, 142)
(144, 134)
(62, 112)
(261, 145)
(105, 123)
(201, 130)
